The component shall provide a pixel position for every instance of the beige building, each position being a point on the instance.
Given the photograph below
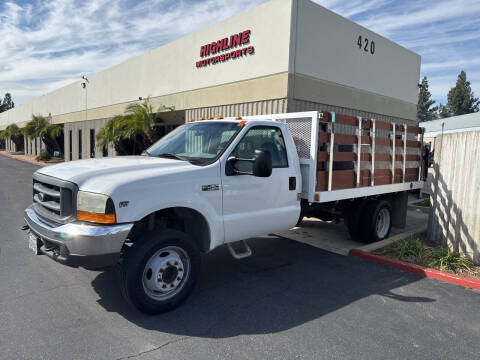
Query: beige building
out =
(282, 56)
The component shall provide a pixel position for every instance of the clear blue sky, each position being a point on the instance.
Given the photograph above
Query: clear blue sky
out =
(46, 44)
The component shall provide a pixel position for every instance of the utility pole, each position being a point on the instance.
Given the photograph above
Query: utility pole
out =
(84, 85)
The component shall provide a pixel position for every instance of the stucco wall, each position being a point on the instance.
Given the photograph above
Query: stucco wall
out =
(455, 189)
(326, 49)
(171, 69)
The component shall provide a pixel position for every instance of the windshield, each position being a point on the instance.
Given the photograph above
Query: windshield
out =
(199, 143)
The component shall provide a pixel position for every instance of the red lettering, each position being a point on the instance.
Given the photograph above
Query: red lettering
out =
(233, 54)
(219, 45)
(203, 50)
(245, 37)
(227, 55)
(239, 52)
(235, 39)
(250, 49)
(244, 51)
(225, 44)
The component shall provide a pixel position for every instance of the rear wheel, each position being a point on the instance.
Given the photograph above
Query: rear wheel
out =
(160, 270)
(377, 221)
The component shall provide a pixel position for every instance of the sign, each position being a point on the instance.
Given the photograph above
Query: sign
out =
(233, 47)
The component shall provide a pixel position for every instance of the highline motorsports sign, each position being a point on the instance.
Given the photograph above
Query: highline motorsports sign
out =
(225, 49)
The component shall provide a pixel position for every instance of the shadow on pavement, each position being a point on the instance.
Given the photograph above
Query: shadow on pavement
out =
(283, 285)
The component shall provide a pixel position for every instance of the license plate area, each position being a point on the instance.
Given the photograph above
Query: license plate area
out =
(34, 243)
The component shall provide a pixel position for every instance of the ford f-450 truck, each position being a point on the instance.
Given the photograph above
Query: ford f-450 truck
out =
(221, 181)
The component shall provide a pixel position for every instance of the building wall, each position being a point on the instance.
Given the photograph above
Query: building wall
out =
(170, 71)
(455, 185)
(330, 68)
(85, 127)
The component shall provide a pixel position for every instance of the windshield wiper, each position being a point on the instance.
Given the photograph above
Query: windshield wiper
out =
(173, 156)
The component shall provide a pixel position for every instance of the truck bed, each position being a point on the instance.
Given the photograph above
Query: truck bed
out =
(345, 157)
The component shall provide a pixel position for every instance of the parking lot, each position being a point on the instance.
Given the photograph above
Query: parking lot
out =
(289, 300)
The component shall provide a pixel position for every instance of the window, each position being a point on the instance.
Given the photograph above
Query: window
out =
(80, 144)
(200, 143)
(104, 151)
(265, 137)
(92, 143)
(35, 146)
(70, 143)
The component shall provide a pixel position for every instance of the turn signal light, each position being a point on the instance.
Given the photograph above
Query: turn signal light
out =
(241, 123)
(316, 197)
(238, 117)
(96, 218)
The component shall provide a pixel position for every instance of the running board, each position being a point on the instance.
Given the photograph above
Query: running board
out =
(241, 255)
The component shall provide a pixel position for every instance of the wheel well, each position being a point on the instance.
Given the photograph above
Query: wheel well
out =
(183, 219)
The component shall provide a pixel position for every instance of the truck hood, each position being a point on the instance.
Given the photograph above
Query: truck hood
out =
(99, 175)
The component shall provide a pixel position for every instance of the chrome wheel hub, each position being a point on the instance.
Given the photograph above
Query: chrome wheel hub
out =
(165, 272)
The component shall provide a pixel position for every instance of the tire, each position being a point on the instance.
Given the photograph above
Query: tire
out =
(353, 220)
(376, 221)
(160, 270)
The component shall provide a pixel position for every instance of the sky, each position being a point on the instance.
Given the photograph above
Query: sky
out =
(46, 44)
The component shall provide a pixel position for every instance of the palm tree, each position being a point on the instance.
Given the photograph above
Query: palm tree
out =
(14, 133)
(41, 127)
(135, 128)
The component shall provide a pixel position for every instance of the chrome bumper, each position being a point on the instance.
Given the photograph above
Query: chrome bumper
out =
(79, 244)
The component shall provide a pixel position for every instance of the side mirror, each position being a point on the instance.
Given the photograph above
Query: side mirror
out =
(262, 163)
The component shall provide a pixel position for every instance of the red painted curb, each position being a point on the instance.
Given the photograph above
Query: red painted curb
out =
(417, 269)
(33, 162)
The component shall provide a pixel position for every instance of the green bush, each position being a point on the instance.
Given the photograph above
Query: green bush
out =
(410, 250)
(425, 202)
(444, 259)
(43, 156)
(415, 251)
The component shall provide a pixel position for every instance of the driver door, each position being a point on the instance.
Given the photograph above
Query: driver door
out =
(254, 206)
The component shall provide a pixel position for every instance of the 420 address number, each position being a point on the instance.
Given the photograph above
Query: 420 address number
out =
(366, 45)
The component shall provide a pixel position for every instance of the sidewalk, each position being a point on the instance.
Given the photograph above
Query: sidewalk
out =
(24, 158)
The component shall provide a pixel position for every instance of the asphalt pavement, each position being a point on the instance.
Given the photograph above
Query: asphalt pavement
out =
(287, 301)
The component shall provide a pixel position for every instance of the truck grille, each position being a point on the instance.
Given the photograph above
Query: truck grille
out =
(54, 199)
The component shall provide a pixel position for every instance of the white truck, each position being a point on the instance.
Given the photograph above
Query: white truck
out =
(221, 181)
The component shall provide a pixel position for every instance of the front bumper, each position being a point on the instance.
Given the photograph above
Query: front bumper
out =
(73, 244)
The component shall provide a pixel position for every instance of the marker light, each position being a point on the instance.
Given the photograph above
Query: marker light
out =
(238, 117)
(241, 123)
(219, 117)
(210, 117)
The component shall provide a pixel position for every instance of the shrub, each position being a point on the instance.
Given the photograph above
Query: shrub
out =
(411, 250)
(43, 156)
(444, 259)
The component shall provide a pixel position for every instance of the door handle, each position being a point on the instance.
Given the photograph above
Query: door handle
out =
(292, 183)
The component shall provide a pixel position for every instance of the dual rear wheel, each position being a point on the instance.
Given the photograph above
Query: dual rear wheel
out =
(369, 221)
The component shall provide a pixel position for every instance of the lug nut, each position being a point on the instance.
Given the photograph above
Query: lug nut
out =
(179, 278)
(176, 262)
(164, 286)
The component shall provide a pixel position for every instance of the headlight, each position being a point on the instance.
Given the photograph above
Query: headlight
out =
(97, 208)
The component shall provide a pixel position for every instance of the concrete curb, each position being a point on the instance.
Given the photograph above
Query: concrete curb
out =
(388, 241)
(417, 269)
(33, 162)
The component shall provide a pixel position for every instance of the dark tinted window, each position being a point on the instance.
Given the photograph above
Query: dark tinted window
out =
(79, 144)
(92, 143)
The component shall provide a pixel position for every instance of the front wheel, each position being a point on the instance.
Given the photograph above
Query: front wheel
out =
(160, 270)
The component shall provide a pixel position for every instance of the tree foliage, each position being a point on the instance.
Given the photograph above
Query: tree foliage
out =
(443, 111)
(461, 99)
(50, 134)
(14, 133)
(7, 103)
(132, 132)
(425, 111)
